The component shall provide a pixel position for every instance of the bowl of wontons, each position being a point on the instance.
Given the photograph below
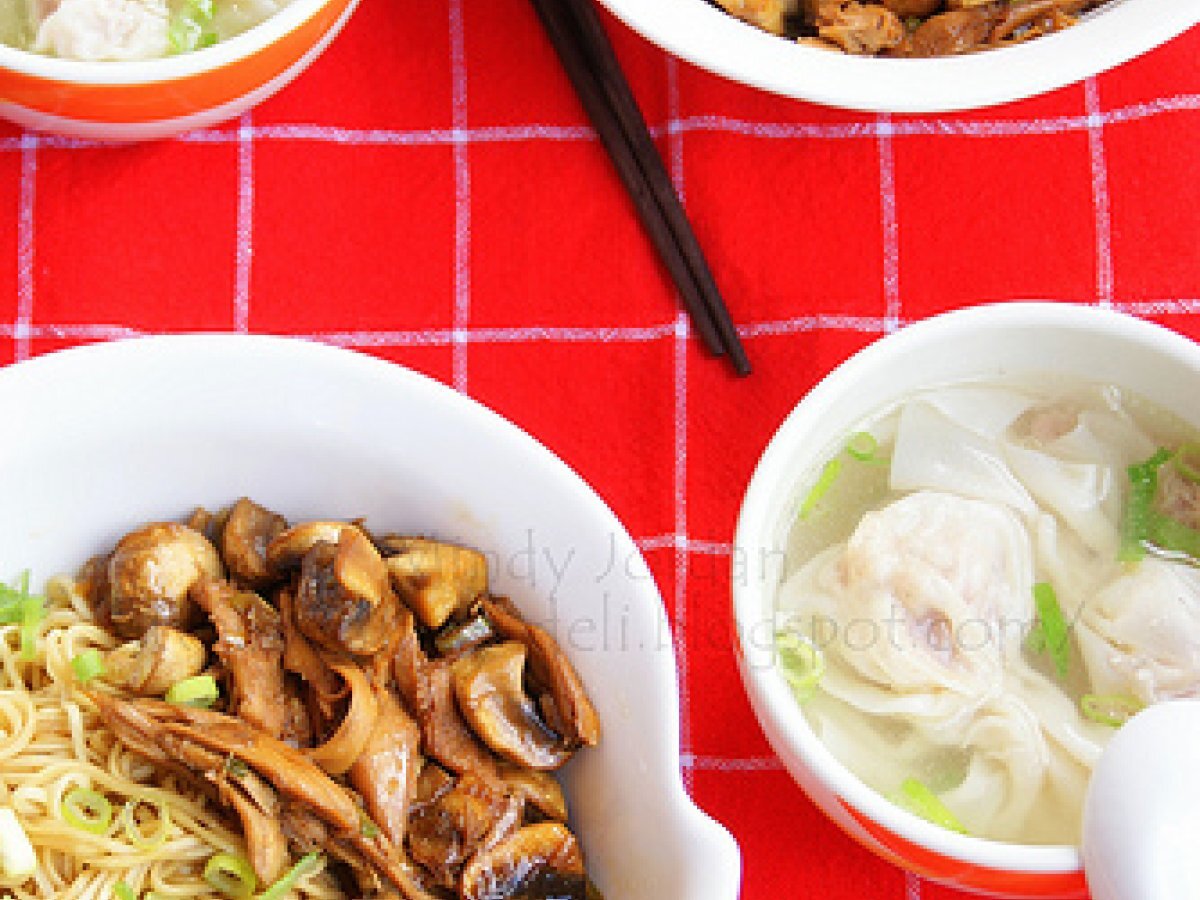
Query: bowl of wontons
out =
(141, 69)
(976, 544)
(843, 52)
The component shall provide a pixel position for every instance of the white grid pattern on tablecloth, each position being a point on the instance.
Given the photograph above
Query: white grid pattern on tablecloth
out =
(883, 130)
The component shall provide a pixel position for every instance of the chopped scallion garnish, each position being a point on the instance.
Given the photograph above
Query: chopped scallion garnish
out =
(1051, 633)
(133, 830)
(864, 447)
(87, 665)
(1187, 461)
(1110, 709)
(368, 828)
(1139, 510)
(308, 863)
(231, 875)
(915, 796)
(199, 690)
(801, 664)
(190, 26)
(829, 474)
(87, 810)
(122, 891)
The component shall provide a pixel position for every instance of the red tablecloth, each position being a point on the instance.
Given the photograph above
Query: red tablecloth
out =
(430, 192)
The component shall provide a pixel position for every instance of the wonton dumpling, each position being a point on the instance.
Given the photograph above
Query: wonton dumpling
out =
(921, 617)
(1140, 636)
(105, 30)
(935, 452)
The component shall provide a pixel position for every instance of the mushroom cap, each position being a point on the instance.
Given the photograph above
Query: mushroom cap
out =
(286, 550)
(150, 573)
(544, 854)
(489, 685)
(249, 530)
(166, 656)
(434, 578)
(343, 599)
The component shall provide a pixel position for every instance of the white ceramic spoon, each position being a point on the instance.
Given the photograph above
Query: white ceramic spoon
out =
(1141, 820)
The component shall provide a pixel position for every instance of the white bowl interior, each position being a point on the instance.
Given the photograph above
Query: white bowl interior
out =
(109, 436)
(713, 40)
(981, 342)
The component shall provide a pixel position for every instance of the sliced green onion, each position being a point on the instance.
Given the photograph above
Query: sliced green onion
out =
(17, 858)
(188, 29)
(87, 665)
(33, 610)
(919, 800)
(1110, 709)
(308, 863)
(1173, 536)
(87, 810)
(199, 690)
(367, 826)
(158, 836)
(236, 767)
(122, 891)
(231, 875)
(863, 446)
(1139, 510)
(829, 474)
(1187, 461)
(1052, 633)
(801, 664)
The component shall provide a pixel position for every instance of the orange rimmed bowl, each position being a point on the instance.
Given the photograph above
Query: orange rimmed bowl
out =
(980, 343)
(146, 99)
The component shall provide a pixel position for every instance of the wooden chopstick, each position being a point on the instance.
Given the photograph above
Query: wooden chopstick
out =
(582, 45)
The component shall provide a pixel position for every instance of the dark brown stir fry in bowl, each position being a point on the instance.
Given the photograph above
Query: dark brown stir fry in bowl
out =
(910, 28)
(358, 695)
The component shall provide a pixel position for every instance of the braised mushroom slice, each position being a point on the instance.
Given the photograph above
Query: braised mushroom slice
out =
(164, 657)
(541, 860)
(435, 579)
(249, 530)
(150, 573)
(489, 685)
(950, 33)
(770, 15)
(540, 790)
(286, 550)
(563, 699)
(343, 599)
(445, 833)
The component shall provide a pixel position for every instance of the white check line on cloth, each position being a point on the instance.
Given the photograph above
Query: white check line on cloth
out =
(1100, 195)
(462, 196)
(26, 215)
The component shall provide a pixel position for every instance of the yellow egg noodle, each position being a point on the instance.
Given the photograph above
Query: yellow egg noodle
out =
(52, 742)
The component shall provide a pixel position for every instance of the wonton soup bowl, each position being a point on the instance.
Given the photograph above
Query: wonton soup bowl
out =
(146, 99)
(116, 435)
(706, 36)
(981, 342)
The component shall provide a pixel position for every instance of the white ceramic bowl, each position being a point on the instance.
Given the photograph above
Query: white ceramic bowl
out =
(981, 342)
(708, 37)
(144, 99)
(105, 437)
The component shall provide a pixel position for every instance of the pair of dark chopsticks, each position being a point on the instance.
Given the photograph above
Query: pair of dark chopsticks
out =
(578, 36)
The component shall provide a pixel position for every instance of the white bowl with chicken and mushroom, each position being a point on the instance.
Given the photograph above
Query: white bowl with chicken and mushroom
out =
(283, 620)
(953, 54)
(981, 539)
